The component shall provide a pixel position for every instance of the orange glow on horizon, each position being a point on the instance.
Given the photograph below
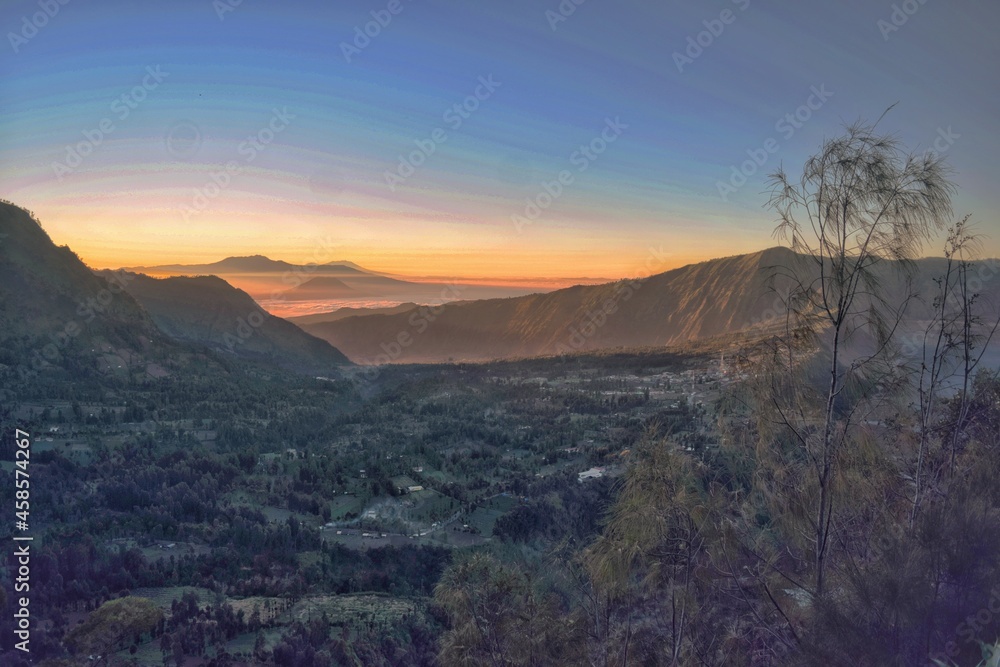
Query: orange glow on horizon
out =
(111, 235)
(529, 267)
(430, 268)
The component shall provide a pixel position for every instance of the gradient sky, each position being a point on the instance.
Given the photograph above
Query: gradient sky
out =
(318, 192)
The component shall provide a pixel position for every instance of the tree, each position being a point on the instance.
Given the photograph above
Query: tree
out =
(951, 350)
(260, 647)
(654, 544)
(498, 619)
(861, 206)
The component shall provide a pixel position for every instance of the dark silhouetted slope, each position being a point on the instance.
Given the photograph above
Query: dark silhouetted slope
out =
(709, 300)
(208, 311)
(55, 313)
(691, 303)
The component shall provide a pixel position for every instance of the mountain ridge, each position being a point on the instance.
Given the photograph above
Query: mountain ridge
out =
(208, 311)
(692, 303)
(59, 315)
(56, 314)
(250, 264)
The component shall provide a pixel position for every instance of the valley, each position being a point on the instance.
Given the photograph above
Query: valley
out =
(257, 498)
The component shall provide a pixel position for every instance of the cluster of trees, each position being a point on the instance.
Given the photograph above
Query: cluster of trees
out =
(555, 509)
(410, 640)
(851, 515)
(166, 486)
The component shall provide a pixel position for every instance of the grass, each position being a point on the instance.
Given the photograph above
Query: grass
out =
(439, 476)
(244, 643)
(502, 503)
(307, 558)
(147, 654)
(430, 506)
(163, 597)
(483, 520)
(348, 609)
(402, 482)
(340, 506)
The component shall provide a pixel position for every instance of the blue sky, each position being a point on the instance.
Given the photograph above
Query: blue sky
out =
(154, 189)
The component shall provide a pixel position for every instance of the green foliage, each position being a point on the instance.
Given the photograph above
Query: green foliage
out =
(112, 625)
(498, 618)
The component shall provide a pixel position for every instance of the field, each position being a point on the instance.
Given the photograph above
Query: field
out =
(164, 597)
(483, 520)
(244, 643)
(349, 609)
(430, 506)
(342, 505)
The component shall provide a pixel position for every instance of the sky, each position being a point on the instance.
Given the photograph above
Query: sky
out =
(515, 139)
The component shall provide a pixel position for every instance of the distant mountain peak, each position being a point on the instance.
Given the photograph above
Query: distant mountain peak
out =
(321, 287)
(350, 265)
(323, 280)
(254, 264)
